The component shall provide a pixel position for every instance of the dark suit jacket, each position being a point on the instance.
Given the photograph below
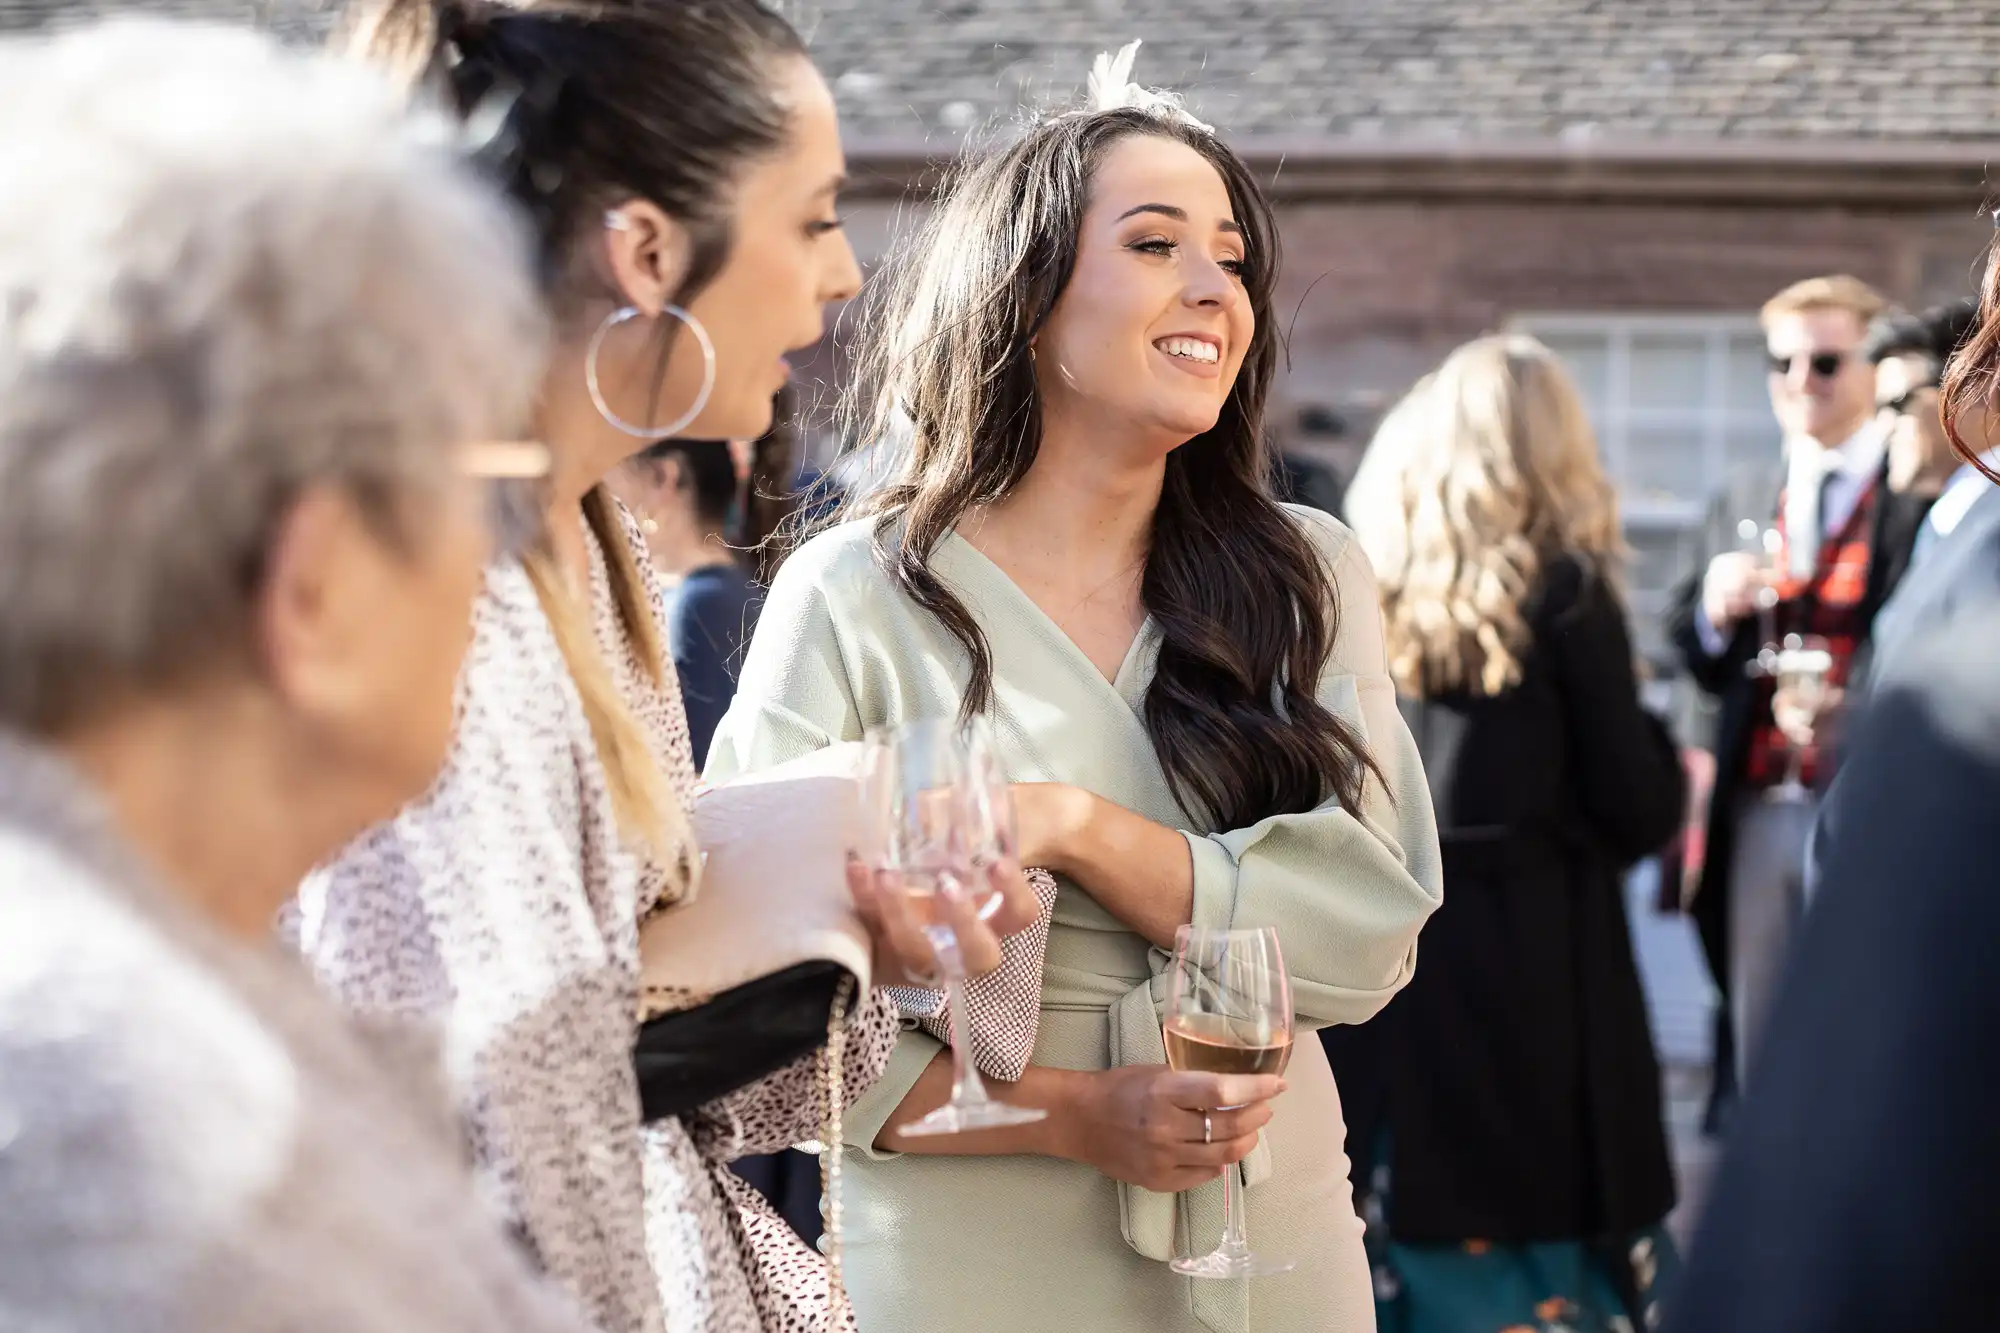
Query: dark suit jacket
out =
(1753, 494)
(1860, 1190)
(1515, 1074)
(1961, 571)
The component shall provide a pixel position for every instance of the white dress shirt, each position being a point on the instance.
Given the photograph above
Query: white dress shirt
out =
(1959, 495)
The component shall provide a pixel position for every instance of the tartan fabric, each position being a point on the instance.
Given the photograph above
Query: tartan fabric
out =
(1830, 604)
(1003, 1008)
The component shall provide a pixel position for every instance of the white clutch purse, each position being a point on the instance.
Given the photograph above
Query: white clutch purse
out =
(769, 955)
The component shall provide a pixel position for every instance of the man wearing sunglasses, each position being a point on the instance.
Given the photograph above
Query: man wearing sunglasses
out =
(1810, 546)
(1910, 353)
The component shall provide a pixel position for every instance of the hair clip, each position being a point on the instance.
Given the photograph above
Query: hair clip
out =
(1110, 88)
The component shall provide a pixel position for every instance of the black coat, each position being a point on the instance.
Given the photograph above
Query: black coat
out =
(1754, 495)
(1860, 1189)
(1515, 1075)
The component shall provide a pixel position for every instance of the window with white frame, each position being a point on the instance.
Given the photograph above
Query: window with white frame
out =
(1678, 403)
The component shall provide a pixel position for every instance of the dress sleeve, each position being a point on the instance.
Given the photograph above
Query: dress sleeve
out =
(1348, 890)
(795, 692)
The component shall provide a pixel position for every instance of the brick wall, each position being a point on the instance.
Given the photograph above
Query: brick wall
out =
(1378, 293)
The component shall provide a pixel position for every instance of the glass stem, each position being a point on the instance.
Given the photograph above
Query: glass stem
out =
(1235, 1240)
(966, 1085)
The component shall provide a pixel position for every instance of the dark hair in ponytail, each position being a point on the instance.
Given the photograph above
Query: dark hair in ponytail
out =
(582, 104)
(577, 106)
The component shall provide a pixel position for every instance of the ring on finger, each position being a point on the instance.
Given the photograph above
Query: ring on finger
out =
(1207, 1128)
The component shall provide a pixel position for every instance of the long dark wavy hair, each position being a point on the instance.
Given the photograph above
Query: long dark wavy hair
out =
(1971, 387)
(1245, 605)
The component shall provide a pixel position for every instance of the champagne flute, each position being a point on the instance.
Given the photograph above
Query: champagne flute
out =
(920, 784)
(989, 811)
(1229, 1011)
(1766, 543)
(1803, 671)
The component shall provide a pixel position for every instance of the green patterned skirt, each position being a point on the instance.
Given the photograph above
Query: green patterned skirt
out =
(1607, 1286)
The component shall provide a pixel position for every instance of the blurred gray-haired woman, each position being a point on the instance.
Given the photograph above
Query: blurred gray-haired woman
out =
(257, 336)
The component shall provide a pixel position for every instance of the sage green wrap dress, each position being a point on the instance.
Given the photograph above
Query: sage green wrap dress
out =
(1025, 1244)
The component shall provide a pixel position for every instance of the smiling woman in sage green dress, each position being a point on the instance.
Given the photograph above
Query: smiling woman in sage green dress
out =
(1187, 684)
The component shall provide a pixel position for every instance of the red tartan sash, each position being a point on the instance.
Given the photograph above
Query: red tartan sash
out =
(1828, 603)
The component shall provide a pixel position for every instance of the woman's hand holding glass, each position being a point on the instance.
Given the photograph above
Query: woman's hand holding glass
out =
(897, 929)
(899, 919)
(1163, 1130)
(945, 855)
(1229, 1008)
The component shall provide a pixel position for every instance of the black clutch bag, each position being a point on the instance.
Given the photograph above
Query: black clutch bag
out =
(694, 1056)
(768, 956)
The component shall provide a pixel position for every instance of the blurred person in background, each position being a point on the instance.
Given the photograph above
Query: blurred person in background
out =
(1909, 353)
(1186, 685)
(681, 164)
(683, 493)
(1515, 1145)
(1910, 388)
(257, 334)
(1949, 567)
(1306, 478)
(1860, 1188)
(1828, 537)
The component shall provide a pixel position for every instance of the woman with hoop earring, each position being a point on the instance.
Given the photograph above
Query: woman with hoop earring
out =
(680, 165)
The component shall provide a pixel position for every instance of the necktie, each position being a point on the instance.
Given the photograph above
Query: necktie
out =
(1805, 514)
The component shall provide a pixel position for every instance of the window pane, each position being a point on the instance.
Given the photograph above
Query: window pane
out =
(1669, 370)
(1664, 463)
(1745, 444)
(1748, 389)
(1588, 361)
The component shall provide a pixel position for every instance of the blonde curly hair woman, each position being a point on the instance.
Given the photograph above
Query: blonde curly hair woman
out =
(1495, 534)
(1486, 469)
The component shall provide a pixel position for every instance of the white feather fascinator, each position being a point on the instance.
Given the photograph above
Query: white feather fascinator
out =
(1111, 88)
